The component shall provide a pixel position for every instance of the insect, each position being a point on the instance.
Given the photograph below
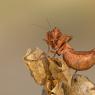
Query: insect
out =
(55, 39)
(78, 60)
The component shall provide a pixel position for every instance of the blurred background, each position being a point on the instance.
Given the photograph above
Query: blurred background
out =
(17, 34)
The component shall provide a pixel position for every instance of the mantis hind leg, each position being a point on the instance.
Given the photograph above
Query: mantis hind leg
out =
(75, 73)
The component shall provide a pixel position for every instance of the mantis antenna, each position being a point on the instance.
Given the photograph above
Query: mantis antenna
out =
(42, 27)
(48, 23)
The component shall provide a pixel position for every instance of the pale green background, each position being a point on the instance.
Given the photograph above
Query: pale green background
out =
(75, 17)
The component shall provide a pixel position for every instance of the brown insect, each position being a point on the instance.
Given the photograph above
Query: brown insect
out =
(55, 39)
(78, 60)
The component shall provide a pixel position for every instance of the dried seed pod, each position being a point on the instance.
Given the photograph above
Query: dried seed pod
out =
(59, 69)
(58, 90)
(60, 74)
(81, 85)
(38, 65)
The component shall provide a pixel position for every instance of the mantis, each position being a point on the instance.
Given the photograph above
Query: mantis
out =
(77, 60)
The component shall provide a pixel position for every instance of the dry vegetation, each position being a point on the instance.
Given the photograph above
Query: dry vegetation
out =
(55, 76)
